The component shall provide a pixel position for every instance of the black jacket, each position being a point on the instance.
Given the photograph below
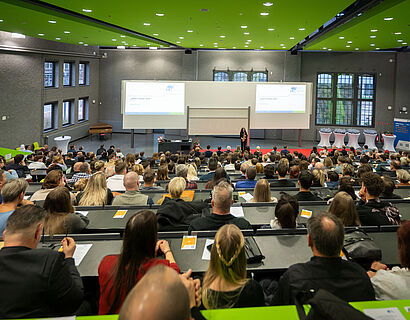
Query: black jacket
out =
(345, 279)
(176, 214)
(282, 183)
(376, 213)
(307, 196)
(21, 170)
(215, 221)
(38, 283)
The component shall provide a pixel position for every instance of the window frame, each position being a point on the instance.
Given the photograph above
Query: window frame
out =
(70, 113)
(355, 99)
(85, 109)
(53, 116)
(54, 74)
(249, 74)
(86, 73)
(71, 75)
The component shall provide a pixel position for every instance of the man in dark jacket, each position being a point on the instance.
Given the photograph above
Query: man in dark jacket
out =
(282, 169)
(326, 269)
(221, 205)
(36, 282)
(19, 166)
(371, 211)
(305, 182)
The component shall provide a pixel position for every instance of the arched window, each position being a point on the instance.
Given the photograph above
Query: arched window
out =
(221, 76)
(240, 76)
(259, 77)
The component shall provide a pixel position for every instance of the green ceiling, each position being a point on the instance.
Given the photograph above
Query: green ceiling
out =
(370, 31)
(204, 23)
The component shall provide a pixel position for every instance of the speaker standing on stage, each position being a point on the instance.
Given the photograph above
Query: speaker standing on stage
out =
(244, 138)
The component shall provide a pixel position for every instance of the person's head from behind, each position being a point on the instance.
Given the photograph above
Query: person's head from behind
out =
(192, 172)
(14, 191)
(24, 227)
(294, 172)
(318, 177)
(363, 169)
(3, 178)
(121, 168)
(305, 180)
(222, 198)
(58, 201)
(269, 171)
(131, 181)
(262, 192)
(176, 187)
(403, 237)
(220, 173)
(372, 185)
(282, 169)
(403, 176)
(325, 235)
(149, 178)
(53, 179)
(343, 207)
(181, 170)
(85, 167)
(159, 295)
(389, 185)
(347, 170)
(228, 263)
(332, 176)
(18, 159)
(213, 164)
(286, 211)
(259, 167)
(251, 173)
(395, 165)
(162, 173)
(244, 167)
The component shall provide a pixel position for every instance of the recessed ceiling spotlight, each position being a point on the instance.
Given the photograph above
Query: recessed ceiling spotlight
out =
(190, 31)
(222, 36)
(233, 47)
(134, 45)
(245, 46)
(159, 14)
(388, 19)
(372, 44)
(123, 42)
(18, 35)
(1, 20)
(399, 40)
(155, 34)
(244, 27)
(341, 37)
(268, 4)
(81, 42)
(291, 38)
(356, 48)
(148, 44)
(215, 42)
(85, 44)
(404, 43)
(246, 33)
(249, 40)
(87, 10)
(178, 41)
(282, 44)
(329, 49)
(201, 45)
(372, 37)
(41, 34)
(114, 39)
(302, 29)
(377, 48)
(349, 41)
(397, 33)
(67, 32)
(122, 36)
(52, 21)
(147, 24)
(181, 37)
(58, 38)
(215, 46)
(261, 47)
(373, 30)
(271, 29)
(264, 13)
(121, 47)
(347, 46)
(324, 48)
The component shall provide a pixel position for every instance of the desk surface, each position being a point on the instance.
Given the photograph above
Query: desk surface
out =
(280, 251)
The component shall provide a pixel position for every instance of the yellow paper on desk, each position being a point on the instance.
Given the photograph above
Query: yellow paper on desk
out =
(120, 214)
(188, 243)
(306, 213)
(241, 193)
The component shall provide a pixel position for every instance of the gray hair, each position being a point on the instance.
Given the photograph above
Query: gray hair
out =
(181, 170)
(222, 196)
(327, 234)
(244, 166)
(84, 167)
(12, 189)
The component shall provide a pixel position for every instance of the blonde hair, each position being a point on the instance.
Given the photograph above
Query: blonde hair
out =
(130, 159)
(328, 162)
(403, 176)
(228, 262)
(98, 165)
(261, 192)
(95, 192)
(318, 175)
(138, 168)
(80, 184)
(259, 167)
(176, 187)
(285, 161)
(344, 209)
(191, 172)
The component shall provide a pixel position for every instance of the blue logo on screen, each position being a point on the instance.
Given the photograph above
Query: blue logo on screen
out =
(293, 89)
(170, 88)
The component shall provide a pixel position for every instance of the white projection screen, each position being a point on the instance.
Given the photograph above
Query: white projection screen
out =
(215, 107)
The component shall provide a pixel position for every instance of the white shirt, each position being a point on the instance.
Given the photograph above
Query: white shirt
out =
(37, 165)
(116, 183)
(392, 284)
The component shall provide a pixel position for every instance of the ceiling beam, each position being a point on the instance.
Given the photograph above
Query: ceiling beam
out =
(89, 20)
(351, 12)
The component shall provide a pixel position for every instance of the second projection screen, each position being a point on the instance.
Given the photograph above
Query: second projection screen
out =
(280, 98)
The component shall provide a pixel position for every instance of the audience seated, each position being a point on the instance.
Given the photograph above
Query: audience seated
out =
(395, 283)
(149, 180)
(220, 173)
(36, 282)
(221, 205)
(225, 284)
(212, 165)
(18, 165)
(343, 207)
(269, 172)
(371, 211)
(61, 216)
(388, 190)
(181, 170)
(13, 195)
(116, 182)
(305, 182)
(3, 180)
(119, 273)
(332, 181)
(250, 181)
(286, 213)
(282, 170)
(95, 192)
(131, 196)
(403, 177)
(262, 193)
(326, 269)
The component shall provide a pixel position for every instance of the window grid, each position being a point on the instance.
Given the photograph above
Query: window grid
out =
(48, 115)
(66, 114)
(82, 73)
(67, 73)
(49, 74)
(82, 109)
(239, 75)
(221, 76)
(260, 77)
(345, 99)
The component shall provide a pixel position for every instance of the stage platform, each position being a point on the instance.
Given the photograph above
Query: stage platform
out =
(145, 142)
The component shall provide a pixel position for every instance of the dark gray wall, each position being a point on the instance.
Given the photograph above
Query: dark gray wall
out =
(22, 94)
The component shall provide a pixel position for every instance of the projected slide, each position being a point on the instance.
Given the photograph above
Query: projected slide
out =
(278, 98)
(150, 98)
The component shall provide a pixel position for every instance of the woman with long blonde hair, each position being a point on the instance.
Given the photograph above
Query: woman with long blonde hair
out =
(192, 173)
(318, 178)
(343, 207)
(225, 284)
(261, 192)
(96, 192)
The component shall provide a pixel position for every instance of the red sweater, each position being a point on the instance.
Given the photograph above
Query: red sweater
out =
(105, 271)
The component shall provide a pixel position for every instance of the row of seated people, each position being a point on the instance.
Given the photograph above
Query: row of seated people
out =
(52, 285)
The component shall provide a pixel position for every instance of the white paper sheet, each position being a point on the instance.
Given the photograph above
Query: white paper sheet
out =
(26, 197)
(84, 213)
(384, 314)
(237, 211)
(80, 252)
(206, 255)
(247, 196)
